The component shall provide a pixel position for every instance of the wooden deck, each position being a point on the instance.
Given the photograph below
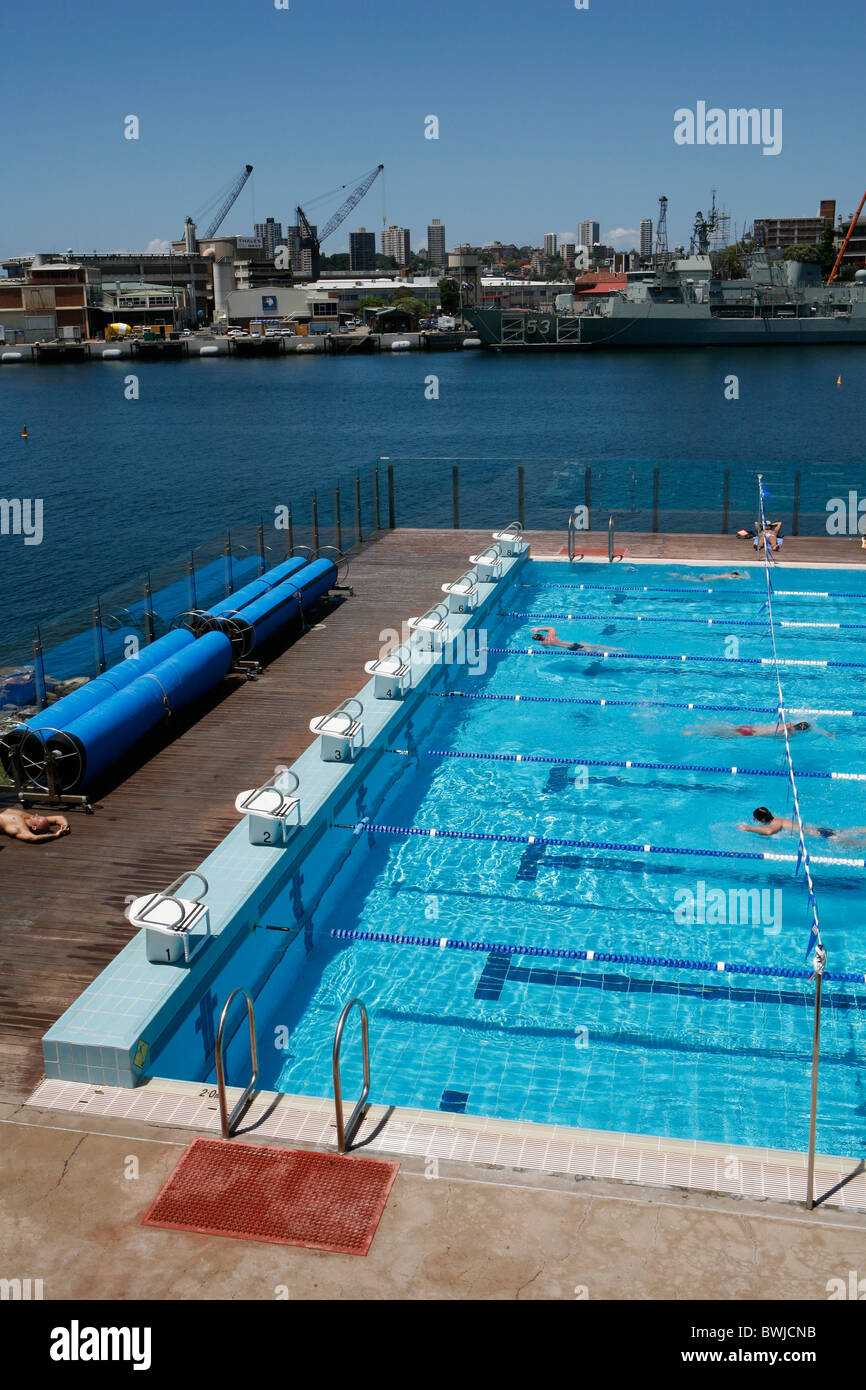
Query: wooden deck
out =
(62, 903)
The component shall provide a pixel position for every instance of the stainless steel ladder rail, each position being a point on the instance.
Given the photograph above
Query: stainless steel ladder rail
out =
(227, 1121)
(610, 541)
(346, 1132)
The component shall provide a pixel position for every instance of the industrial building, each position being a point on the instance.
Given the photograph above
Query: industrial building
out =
(50, 299)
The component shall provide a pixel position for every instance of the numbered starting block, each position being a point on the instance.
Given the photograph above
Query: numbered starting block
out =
(273, 810)
(392, 675)
(488, 564)
(169, 921)
(510, 541)
(431, 629)
(463, 593)
(341, 732)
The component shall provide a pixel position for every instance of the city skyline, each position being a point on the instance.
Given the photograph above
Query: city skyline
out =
(501, 165)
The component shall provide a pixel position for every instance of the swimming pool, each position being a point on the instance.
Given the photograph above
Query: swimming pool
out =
(605, 1045)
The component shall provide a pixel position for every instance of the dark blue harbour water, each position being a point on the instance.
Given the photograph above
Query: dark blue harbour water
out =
(130, 484)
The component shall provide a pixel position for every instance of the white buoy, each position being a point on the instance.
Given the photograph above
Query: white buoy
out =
(471, 342)
(111, 352)
(306, 347)
(11, 357)
(401, 345)
(209, 350)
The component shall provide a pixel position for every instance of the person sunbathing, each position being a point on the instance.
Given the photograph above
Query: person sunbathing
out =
(548, 638)
(768, 824)
(770, 535)
(22, 825)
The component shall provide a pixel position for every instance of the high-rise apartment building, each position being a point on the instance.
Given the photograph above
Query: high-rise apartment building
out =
(588, 233)
(550, 244)
(567, 250)
(646, 236)
(395, 242)
(271, 233)
(301, 260)
(436, 243)
(362, 250)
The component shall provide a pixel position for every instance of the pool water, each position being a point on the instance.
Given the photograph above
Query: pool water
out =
(636, 1048)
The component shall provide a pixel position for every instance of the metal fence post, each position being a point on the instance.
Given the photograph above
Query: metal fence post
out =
(455, 495)
(227, 551)
(358, 536)
(98, 638)
(377, 519)
(260, 540)
(655, 499)
(520, 496)
(587, 491)
(795, 524)
(190, 578)
(314, 517)
(726, 503)
(392, 512)
(39, 669)
(149, 627)
(338, 523)
(290, 533)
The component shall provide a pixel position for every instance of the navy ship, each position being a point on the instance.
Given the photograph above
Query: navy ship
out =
(679, 303)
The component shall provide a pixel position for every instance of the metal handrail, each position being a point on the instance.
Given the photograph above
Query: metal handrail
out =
(227, 1121)
(610, 541)
(571, 535)
(346, 1133)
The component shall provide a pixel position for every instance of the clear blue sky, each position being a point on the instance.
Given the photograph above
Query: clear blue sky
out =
(548, 114)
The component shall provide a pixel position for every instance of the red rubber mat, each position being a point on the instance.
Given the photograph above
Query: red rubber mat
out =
(285, 1196)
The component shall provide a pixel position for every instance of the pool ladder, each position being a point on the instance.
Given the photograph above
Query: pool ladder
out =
(345, 1132)
(572, 538)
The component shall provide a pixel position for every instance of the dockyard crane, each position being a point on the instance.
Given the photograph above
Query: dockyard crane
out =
(311, 242)
(225, 201)
(854, 220)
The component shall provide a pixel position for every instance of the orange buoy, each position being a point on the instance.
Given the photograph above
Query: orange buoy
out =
(24, 434)
(838, 381)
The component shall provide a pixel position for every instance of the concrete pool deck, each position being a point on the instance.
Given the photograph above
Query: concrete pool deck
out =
(80, 1218)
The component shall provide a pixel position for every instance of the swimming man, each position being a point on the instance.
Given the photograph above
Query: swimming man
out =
(768, 824)
(548, 638)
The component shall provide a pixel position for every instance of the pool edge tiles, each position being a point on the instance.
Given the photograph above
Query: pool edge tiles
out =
(107, 1034)
(720, 1170)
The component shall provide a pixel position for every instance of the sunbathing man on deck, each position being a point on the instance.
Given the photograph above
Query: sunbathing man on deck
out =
(21, 825)
(768, 824)
(548, 638)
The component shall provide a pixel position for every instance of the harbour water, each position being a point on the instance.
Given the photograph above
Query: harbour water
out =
(132, 474)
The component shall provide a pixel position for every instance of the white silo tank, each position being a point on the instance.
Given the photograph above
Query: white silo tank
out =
(223, 283)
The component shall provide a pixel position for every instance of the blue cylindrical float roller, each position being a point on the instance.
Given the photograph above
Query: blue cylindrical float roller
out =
(91, 744)
(78, 702)
(250, 592)
(283, 605)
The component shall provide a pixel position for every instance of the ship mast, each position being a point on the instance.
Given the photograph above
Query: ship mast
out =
(662, 253)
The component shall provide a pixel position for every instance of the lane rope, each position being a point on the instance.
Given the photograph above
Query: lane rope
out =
(628, 846)
(677, 621)
(444, 943)
(729, 771)
(698, 589)
(674, 656)
(642, 704)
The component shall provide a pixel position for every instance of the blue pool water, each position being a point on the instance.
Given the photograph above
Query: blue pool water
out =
(620, 1047)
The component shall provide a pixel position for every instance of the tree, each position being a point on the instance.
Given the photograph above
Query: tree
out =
(386, 263)
(338, 262)
(449, 294)
(811, 255)
(371, 301)
(410, 305)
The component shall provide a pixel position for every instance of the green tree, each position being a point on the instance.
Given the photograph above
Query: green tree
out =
(449, 294)
(386, 263)
(416, 307)
(338, 262)
(811, 255)
(371, 301)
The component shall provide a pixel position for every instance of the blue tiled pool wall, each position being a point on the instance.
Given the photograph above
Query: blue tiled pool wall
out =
(123, 1022)
(310, 888)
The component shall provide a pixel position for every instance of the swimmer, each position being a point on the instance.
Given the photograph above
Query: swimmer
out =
(548, 638)
(768, 824)
(704, 578)
(757, 730)
(20, 825)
